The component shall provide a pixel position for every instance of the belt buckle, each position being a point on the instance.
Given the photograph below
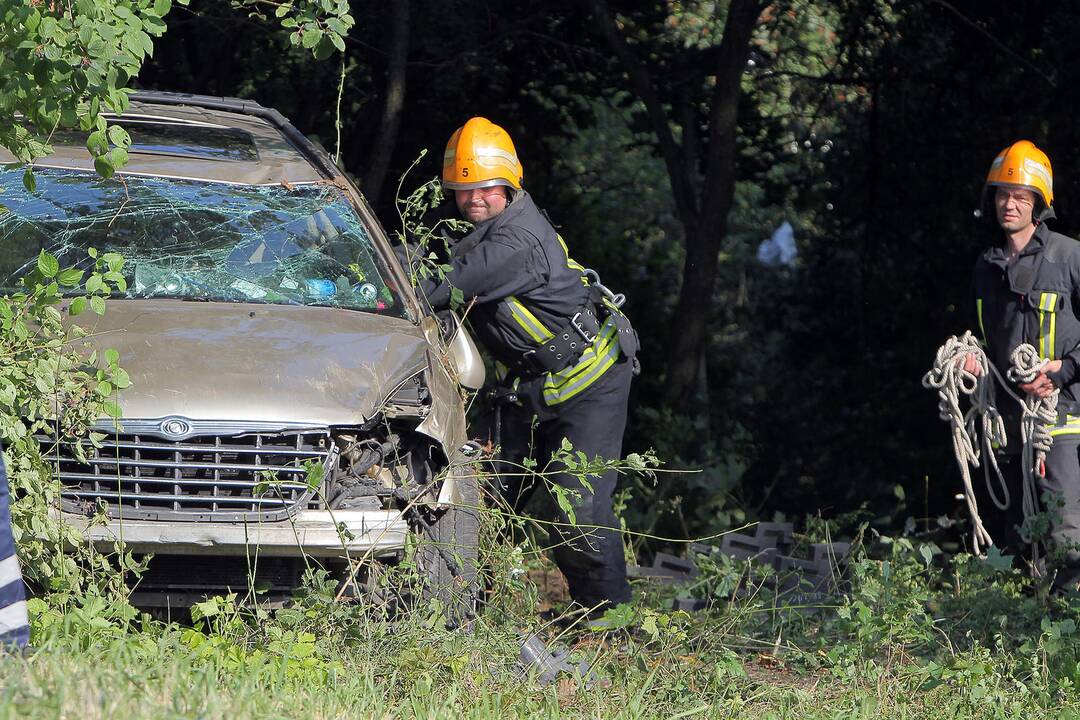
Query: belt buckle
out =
(585, 334)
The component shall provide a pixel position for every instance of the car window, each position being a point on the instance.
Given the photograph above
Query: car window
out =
(195, 240)
(177, 139)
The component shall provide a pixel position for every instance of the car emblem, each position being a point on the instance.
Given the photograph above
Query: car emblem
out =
(175, 427)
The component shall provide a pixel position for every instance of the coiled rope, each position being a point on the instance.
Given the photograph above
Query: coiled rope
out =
(983, 420)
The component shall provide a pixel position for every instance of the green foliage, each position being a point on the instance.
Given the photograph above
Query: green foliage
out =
(420, 237)
(886, 614)
(317, 25)
(67, 63)
(744, 658)
(54, 386)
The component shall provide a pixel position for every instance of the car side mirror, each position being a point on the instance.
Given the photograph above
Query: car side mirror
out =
(464, 357)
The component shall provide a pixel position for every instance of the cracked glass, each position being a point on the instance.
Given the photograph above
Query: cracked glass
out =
(194, 240)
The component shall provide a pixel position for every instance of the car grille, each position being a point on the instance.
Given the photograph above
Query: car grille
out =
(253, 476)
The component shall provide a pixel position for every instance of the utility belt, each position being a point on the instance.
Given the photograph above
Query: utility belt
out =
(569, 341)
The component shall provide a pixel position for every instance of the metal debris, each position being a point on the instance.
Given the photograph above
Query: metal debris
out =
(802, 583)
(548, 663)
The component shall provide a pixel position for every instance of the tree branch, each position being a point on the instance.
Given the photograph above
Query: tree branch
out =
(686, 202)
(731, 59)
(1000, 45)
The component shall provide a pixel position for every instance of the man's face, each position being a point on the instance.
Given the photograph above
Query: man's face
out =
(481, 204)
(1014, 207)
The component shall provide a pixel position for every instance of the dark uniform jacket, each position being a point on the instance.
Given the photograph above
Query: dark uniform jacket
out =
(526, 290)
(525, 285)
(1035, 300)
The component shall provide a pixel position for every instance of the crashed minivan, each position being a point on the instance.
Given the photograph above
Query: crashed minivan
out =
(291, 400)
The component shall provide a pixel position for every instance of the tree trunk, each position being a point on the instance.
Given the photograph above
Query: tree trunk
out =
(705, 233)
(693, 313)
(382, 148)
(703, 214)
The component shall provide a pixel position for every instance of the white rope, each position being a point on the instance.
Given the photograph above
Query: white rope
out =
(950, 379)
(1039, 414)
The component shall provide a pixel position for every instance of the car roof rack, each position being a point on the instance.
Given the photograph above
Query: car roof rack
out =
(304, 146)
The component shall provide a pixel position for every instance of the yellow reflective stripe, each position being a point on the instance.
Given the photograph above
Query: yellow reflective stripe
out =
(570, 262)
(587, 371)
(1071, 427)
(588, 356)
(978, 309)
(1053, 330)
(1047, 327)
(529, 322)
(594, 372)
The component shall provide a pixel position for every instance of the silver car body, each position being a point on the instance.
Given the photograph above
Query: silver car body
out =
(233, 401)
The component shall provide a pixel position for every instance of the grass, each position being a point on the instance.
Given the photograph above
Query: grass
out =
(919, 636)
(139, 676)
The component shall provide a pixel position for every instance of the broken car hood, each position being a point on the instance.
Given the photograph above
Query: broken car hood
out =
(254, 362)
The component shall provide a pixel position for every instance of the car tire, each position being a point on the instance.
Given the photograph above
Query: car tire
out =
(448, 554)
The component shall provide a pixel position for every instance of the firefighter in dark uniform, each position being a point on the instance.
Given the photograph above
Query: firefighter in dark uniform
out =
(1027, 290)
(567, 350)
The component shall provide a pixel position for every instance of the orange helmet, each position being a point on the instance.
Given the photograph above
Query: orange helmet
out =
(480, 154)
(1022, 165)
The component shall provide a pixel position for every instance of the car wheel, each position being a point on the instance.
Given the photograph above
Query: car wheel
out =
(448, 553)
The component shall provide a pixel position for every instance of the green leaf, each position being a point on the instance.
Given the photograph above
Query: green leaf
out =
(111, 409)
(338, 41)
(47, 264)
(104, 388)
(311, 38)
(996, 560)
(927, 554)
(118, 157)
(325, 48)
(144, 43)
(97, 143)
(115, 261)
(119, 136)
(70, 277)
(78, 306)
(154, 26)
(562, 499)
(111, 356)
(337, 26)
(104, 166)
(648, 624)
(97, 304)
(121, 378)
(29, 181)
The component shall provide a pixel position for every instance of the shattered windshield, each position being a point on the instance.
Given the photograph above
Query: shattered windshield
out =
(194, 240)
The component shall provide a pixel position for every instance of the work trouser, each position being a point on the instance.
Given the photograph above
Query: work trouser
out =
(1062, 484)
(589, 550)
(14, 629)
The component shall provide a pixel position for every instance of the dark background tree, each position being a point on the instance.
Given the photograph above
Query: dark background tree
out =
(669, 139)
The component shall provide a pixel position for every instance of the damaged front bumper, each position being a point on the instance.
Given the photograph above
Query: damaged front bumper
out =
(357, 534)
